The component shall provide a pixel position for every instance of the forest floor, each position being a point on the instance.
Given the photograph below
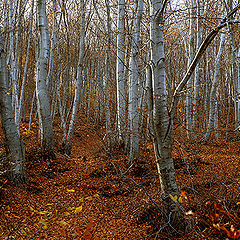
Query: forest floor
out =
(93, 194)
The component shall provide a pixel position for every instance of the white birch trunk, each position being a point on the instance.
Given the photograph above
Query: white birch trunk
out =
(68, 143)
(107, 79)
(238, 95)
(134, 83)
(41, 88)
(197, 70)
(53, 39)
(121, 94)
(14, 146)
(149, 88)
(213, 94)
(190, 58)
(162, 121)
(14, 56)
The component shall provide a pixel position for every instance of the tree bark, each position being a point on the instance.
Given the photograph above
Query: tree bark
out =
(14, 146)
(121, 94)
(134, 83)
(68, 143)
(41, 88)
(190, 58)
(212, 121)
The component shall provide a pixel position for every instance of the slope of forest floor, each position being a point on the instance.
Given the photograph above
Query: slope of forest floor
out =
(93, 194)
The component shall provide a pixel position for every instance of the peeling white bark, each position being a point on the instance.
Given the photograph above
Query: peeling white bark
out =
(41, 88)
(134, 83)
(212, 121)
(121, 94)
(14, 146)
(163, 125)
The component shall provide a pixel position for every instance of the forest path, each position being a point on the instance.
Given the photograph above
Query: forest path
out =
(69, 199)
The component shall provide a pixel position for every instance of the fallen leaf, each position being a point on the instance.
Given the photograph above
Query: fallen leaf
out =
(62, 222)
(78, 209)
(173, 198)
(70, 208)
(43, 212)
(31, 208)
(70, 190)
(43, 221)
(63, 232)
(184, 194)
(88, 198)
(218, 207)
(66, 214)
(190, 212)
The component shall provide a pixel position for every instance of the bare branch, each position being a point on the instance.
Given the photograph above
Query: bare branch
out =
(197, 57)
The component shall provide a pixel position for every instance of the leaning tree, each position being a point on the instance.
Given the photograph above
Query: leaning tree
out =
(163, 113)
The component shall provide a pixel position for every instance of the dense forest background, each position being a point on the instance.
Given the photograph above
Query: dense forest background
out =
(128, 103)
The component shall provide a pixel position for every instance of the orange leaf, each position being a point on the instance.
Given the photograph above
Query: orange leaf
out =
(218, 207)
(78, 230)
(230, 215)
(214, 217)
(233, 233)
(63, 232)
(208, 202)
(184, 194)
(88, 233)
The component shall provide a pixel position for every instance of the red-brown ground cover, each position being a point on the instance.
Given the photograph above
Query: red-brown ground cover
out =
(93, 194)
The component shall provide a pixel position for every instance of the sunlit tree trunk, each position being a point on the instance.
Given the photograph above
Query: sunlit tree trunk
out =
(134, 83)
(53, 39)
(14, 146)
(68, 143)
(161, 119)
(121, 94)
(107, 79)
(197, 70)
(190, 58)
(212, 121)
(14, 50)
(149, 89)
(21, 100)
(41, 88)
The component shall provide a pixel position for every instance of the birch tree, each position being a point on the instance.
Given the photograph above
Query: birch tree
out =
(163, 115)
(212, 121)
(53, 40)
(190, 58)
(134, 83)
(121, 94)
(41, 88)
(67, 144)
(197, 70)
(109, 136)
(162, 123)
(14, 146)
